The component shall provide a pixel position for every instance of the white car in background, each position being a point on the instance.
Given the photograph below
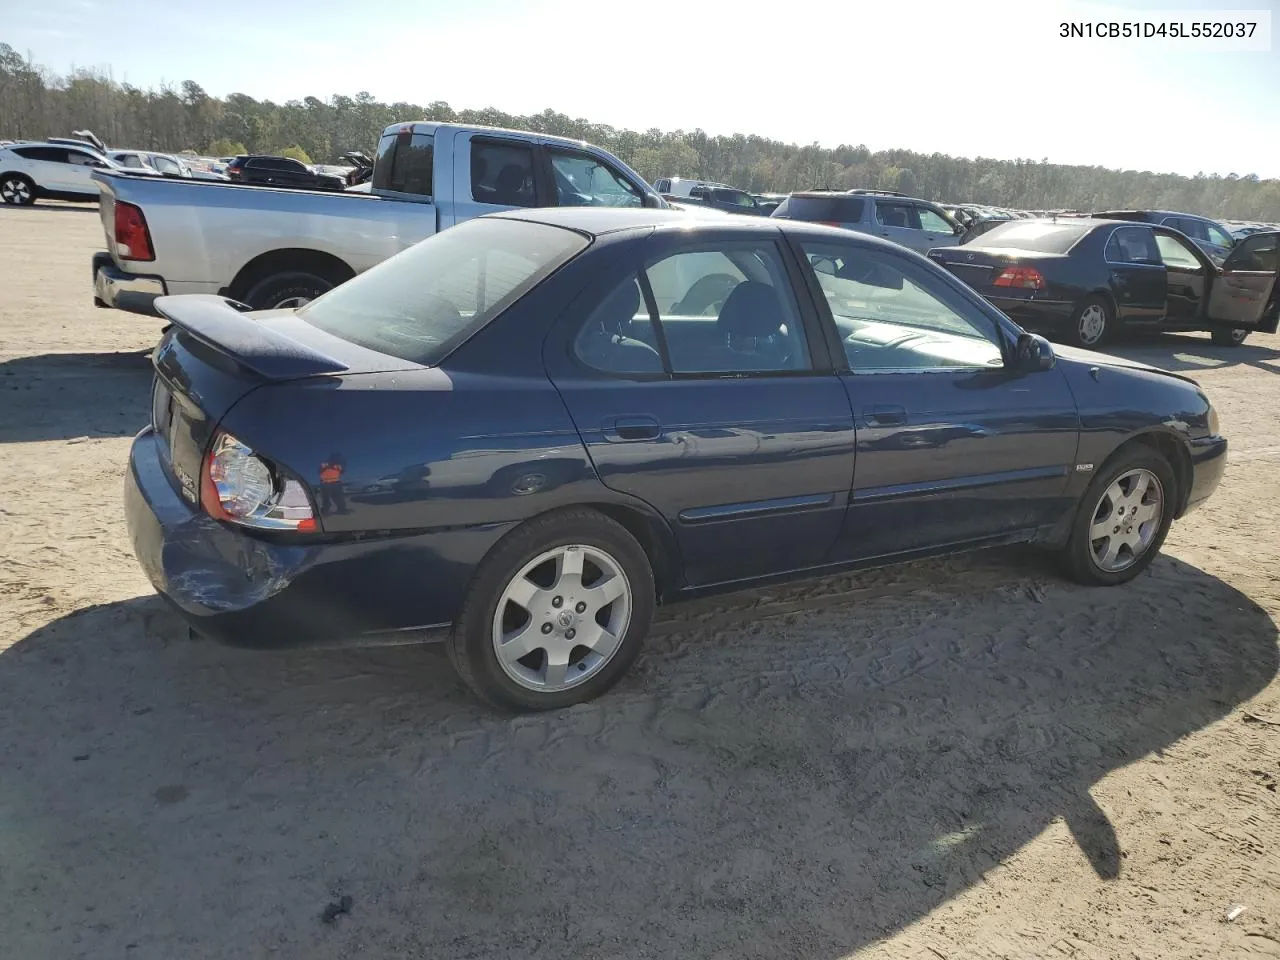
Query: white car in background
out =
(51, 171)
(164, 164)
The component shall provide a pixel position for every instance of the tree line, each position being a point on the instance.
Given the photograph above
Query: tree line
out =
(36, 102)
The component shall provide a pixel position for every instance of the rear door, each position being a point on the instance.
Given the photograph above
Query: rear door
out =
(1187, 276)
(700, 385)
(1138, 277)
(1243, 295)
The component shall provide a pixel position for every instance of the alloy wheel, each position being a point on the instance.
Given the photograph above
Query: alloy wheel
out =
(15, 191)
(561, 618)
(1126, 520)
(292, 303)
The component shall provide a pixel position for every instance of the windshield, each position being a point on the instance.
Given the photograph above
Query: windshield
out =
(1037, 236)
(426, 300)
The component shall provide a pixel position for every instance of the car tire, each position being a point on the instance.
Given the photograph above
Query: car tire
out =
(1103, 518)
(536, 562)
(1229, 338)
(282, 291)
(1092, 323)
(17, 190)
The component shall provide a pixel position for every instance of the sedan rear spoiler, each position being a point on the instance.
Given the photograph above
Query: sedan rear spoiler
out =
(222, 324)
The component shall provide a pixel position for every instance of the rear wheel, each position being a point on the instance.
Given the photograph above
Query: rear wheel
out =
(283, 291)
(1123, 519)
(1229, 338)
(17, 191)
(1092, 323)
(555, 614)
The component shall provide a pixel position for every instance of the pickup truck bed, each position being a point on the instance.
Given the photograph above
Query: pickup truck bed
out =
(275, 248)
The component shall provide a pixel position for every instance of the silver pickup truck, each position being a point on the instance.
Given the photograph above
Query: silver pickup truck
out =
(273, 248)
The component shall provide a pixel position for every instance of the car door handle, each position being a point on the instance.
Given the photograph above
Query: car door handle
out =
(632, 429)
(885, 415)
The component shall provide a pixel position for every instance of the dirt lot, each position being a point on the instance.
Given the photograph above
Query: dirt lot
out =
(968, 758)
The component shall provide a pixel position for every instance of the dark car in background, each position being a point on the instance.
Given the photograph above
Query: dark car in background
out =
(726, 199)
(1209, 235)
(1083, 278)
(268, 171)
(515, 436)
(915, 224)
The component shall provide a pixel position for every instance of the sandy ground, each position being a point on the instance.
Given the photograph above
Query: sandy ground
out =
(970, 758)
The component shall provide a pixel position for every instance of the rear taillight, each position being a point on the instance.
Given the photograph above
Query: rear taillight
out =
(233, 171)
(133, 239)
(829, 223)
(1021, 278)
(238, 486)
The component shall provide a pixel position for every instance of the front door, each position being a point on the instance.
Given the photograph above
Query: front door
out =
(1138, 277)
(953, 447)
(1243, 295)
(699, 384)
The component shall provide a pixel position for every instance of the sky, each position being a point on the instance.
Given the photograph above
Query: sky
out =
(988, 78)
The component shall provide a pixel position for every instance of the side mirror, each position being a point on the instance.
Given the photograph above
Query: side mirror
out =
(1034, 353)
(653, 202)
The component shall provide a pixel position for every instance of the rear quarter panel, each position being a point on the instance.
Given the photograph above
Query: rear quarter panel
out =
(482, 439)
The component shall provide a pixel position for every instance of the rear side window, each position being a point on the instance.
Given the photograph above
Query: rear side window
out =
(424, 301)
(48, 154)
(1133, 245)
(891, 214)
(502, 173)
(835, 208)
(405, 163)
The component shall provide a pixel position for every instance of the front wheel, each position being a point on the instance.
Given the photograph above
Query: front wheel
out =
(1092, 323)
(1123, 519)
(17, 191)
(555, 614)
(1229, 338)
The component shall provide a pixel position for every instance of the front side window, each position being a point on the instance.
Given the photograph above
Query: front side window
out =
(903, 215)
(735, 197)
(1175, 253)
(1217, 235)
(583, 181)
(421, 303)
(933, 222)
(405, 163)
(1256, 253)
(502, 173)
(895, 315)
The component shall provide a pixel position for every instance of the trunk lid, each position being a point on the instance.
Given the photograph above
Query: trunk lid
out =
(979, 266)
(217, 352)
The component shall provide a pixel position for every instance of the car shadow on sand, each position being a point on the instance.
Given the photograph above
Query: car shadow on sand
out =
(1188, 353)
(58, 396)
(760, 786)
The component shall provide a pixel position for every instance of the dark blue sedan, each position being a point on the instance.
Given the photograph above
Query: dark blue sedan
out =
(521, 434)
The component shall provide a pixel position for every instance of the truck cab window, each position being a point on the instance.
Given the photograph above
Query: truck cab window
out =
(502, 173)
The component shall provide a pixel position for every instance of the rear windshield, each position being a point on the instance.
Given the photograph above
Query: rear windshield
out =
(1036, 236)
(833, 209)
(423, 302)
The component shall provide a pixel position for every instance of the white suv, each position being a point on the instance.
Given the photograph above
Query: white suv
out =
(53, 171)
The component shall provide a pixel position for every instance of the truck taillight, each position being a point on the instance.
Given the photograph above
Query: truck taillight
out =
(133, 239)
(1023, 278)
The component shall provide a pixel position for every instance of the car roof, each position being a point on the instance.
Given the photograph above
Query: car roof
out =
(598, 221)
